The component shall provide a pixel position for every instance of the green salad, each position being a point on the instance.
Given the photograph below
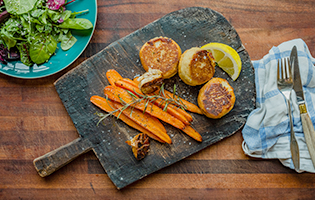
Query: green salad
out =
(31, 29)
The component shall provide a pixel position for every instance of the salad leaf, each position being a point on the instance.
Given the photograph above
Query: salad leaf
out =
(11, 32)
(53, 15)
(26, 25)
(66, 15)
(67, 41)
(6, 54)
(40, 28)
(42, 48)
(4, 16)
(3, 53)
(12, 25)
(73, 14)
(19, 6)
(43, 17)
(8, 39)
(34, 27)
(24, 55)
(55, 4)
(36, 13)
(76, 23)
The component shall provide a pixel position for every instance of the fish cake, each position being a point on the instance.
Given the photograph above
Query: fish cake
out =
(196, 66)
(216, 98)
(161, 53)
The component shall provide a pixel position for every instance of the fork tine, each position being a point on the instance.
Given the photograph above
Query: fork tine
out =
(284, 71)
(287, 69)
(290, 68)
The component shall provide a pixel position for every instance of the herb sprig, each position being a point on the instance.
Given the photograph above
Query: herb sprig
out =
(148, 99)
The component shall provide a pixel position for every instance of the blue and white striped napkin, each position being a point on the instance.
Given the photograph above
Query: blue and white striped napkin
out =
(267, 130)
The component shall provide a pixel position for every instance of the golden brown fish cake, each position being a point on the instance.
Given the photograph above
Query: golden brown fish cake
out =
(161, 53)
(216, 98)
(196, 66)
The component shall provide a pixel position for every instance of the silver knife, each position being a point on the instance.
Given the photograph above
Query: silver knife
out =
(307, 125)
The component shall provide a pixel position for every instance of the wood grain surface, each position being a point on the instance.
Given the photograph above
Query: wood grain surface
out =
(33, 120)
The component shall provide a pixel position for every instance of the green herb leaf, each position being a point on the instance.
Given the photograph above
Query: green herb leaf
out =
(76, 23)
(54, 15)
(42, 48)
(78, 13)
(19, 6)
(67, 41)
(23, 49)
(40, 28)
(66, 15)
(8, 39)
(37, 13)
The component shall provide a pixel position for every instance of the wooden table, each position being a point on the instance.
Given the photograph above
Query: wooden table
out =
(33, 120)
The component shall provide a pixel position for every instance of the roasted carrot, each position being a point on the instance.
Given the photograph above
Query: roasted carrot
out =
(171, 109)
(127, 80)
(189, 106)
(156, 121)
(108, 106)
(113, 76)
(146, 121)
(119, 94)
(179, 111)
(192, 133)
(135, 80)
(184, 113)
(115, 98)
(128, 86)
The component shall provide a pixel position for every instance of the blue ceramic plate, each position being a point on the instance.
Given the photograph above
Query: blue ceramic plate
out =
(62, 59)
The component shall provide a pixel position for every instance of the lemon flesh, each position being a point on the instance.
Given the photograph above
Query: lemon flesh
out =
(226, 58)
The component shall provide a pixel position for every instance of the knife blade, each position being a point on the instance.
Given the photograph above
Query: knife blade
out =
(307, 125)
(297, 85)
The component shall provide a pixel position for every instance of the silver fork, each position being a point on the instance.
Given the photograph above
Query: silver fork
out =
(285, 85)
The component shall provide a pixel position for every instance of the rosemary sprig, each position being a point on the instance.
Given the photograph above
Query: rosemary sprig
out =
(137, 98)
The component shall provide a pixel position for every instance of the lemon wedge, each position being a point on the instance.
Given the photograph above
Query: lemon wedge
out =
(226, 58)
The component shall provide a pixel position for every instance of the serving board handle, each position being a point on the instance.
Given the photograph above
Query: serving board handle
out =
(52, 161)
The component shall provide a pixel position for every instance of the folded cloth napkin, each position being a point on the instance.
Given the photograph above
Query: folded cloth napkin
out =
(267, 130)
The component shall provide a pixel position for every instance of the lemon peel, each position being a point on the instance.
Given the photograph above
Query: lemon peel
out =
(226, 58)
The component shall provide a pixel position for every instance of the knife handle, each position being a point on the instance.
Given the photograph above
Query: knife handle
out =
(309, 134)
(52, 161)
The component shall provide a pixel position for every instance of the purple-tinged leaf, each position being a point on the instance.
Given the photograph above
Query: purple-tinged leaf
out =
(5, 54)
(4, 16)
(60, 20)
(55, 4)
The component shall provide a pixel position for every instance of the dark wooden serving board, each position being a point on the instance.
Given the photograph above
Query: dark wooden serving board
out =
(189, 27)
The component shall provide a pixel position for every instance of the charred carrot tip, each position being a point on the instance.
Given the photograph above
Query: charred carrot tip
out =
(192, 133)
(189, 106)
